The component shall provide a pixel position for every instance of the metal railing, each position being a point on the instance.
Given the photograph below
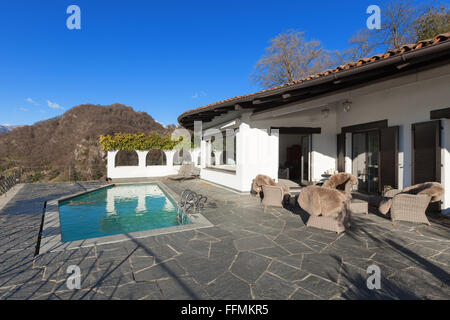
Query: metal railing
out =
(9, 181)
(190, 202)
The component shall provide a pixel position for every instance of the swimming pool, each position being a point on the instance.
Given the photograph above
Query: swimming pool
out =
(118, 209)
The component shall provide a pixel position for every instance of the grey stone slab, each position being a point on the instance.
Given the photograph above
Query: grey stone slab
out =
(223, 250)
(302, 294)
(322, 265)
(185, 288)
(287, 272)
(198, 247)
(133, 291)
(293, 246)
(168, 269)
(293, 260)
(441, 258)
(272, 252)
(227, 286)
(116, 253)
(271, 287)
(203, 270)
(249, 266)
(320, 287)
(58, 257)
(253, 243)
(160, 252)
(142, 262)
(82, 294)
(216, 232)
(16, 277)
(27, 291)
(284, 258)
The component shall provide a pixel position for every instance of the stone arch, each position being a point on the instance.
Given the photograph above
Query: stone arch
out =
(181, 156)
(126, 158)
(156, 157)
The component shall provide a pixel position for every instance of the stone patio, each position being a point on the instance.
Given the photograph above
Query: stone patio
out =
(248, 254)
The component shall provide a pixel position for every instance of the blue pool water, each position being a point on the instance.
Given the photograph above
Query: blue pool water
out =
(116, 210)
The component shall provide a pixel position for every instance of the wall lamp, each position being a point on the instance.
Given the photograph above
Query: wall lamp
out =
(347, 105)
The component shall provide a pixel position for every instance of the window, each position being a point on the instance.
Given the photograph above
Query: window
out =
(225, 157)
(156, 157)
(125, 158)
(181, 156)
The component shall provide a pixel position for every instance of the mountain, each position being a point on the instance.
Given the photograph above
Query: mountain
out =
(68, 145)
(6, 128)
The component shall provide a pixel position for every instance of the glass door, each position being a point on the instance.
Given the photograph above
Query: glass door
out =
(365, 164)
(304, 165)
(359, 159)
(373, 150)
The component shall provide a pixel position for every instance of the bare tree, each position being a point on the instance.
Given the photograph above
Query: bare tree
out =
(434, 20)
(289, 58)
(397, 19)
(360, 46)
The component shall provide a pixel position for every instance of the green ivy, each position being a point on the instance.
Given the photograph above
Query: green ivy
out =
(137, 141)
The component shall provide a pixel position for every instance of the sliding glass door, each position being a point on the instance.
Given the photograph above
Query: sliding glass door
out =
(365, 156)
(305, 159)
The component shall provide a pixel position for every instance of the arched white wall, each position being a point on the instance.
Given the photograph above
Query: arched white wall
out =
(142, 170)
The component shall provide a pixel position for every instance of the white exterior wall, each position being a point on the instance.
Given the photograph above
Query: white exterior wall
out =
(445, 170)
(143, 171)
(256, 153)
(402, 101)
(323, 155)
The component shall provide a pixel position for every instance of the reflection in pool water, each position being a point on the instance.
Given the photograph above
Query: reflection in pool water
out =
(116, 210)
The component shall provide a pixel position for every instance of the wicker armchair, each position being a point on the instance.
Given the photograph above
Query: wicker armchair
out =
(273, 196)
(408, 207)
(338, 223)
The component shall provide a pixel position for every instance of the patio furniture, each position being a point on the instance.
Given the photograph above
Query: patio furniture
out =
(328, 208)
(358, 206)
(262, 180)
(273, 196)
(338, 223)
(408, 207)
(196, 172)
(184, 173)
(343, 182)
(411, 203)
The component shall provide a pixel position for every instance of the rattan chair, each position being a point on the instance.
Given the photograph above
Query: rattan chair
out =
(272, 196)
(408, 207)
(338, 223)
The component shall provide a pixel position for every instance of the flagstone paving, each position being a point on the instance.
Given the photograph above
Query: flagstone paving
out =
(248, 254)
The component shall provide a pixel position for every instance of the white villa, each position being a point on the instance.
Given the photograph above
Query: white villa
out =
(385, 119)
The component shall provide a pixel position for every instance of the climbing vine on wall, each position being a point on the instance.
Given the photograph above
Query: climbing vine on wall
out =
(137, 141)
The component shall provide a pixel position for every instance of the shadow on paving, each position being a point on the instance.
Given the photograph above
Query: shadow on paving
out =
(409, 282)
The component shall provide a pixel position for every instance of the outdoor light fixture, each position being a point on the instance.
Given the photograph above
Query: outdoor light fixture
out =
(325, 112)
(232, 124)
(347, 105)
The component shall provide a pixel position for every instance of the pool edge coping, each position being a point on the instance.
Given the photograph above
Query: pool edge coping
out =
(51, 235)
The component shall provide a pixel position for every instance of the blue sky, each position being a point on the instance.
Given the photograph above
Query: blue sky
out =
(160, 57)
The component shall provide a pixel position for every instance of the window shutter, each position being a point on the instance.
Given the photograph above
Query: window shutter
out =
(341, 152)
(426, 152)
(388, 170)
